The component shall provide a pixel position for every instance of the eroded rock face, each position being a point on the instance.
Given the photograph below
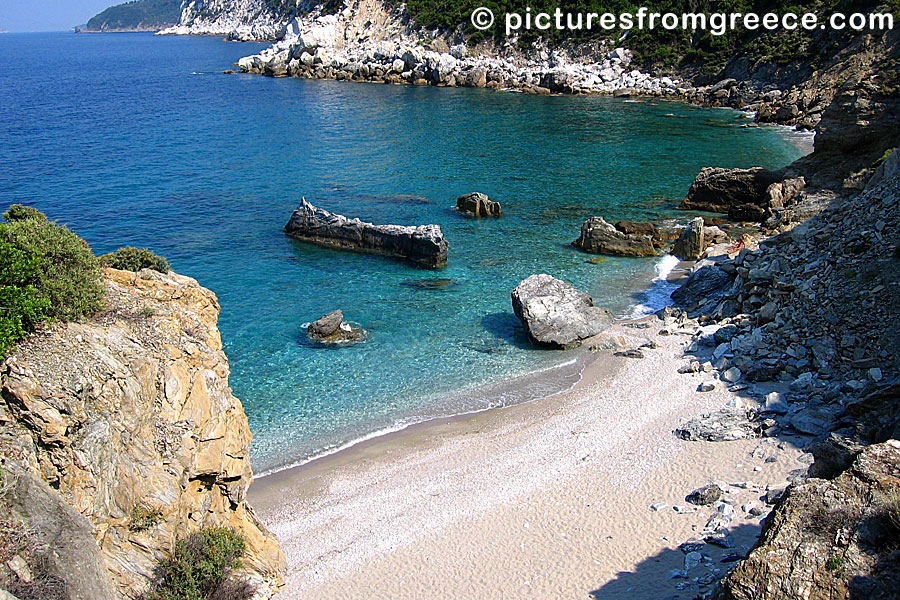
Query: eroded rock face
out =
(739, 193)
(131, 412)
(557, 315)
(424, 245)
(479, 205)
(828, 539)
(690, 244)
(600, 237)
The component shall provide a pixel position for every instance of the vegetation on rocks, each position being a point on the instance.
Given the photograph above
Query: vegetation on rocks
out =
(137, 15)
(661, 47)
(46, 272)
(135, 259)
(201, 567)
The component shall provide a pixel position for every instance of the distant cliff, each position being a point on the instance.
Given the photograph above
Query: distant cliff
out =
(242, 20)
(119, 435)
(140, 15)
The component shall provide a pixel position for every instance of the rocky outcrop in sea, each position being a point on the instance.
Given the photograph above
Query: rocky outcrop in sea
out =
(424, 245)
(478, 205)
(120, 434)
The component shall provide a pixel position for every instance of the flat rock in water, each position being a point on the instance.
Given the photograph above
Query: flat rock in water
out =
(424, 245)
(557, 315)
(431, 284)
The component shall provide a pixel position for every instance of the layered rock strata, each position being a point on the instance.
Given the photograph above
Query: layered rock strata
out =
(128, 417)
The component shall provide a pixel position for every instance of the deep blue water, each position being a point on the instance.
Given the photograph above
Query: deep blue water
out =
(138, 140)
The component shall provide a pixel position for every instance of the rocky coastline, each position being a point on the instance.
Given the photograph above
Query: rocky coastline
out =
(120, 434)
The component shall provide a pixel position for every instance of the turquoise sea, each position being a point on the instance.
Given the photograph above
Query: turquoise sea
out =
(132, 139)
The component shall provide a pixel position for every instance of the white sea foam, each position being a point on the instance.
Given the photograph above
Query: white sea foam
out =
(658, 295)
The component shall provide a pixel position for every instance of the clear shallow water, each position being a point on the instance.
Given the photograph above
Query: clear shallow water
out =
(137, 140)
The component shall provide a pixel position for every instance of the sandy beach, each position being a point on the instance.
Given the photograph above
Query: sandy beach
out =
(547, 499)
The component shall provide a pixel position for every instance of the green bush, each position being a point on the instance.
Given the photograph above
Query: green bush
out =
(21, 306)
(135, 259)
(200, 568)
(66, 273)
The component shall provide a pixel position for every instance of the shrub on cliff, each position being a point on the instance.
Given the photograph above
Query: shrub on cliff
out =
(21, 306)
(65, 273)
(200, 568)
(135, 259)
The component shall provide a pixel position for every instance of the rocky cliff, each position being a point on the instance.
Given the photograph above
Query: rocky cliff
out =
(242, 20)
(830, 539)
(143, 15)
(125, 425)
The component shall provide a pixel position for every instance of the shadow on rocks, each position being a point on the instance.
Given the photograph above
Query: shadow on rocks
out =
(685, 572)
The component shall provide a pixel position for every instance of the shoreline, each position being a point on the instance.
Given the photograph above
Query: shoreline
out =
(669, 273)
(358, 519)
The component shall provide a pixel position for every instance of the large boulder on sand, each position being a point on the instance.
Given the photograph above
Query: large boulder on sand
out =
(739, 193)
(557, 315)
(478, 204)
(600, 237)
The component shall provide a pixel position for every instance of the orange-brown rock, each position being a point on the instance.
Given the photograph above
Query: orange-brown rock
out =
(130, 412)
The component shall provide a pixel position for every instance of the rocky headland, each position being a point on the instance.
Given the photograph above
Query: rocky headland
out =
(138, 16)
(423, 245)
(119, 434)
(237, 20)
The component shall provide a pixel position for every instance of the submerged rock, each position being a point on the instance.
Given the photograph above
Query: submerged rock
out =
(600, 237)
(479, 205)
(557, 315)
(424, 245)
(441, 283)
(333, 330)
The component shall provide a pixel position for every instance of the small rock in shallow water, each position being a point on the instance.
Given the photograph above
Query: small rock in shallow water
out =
(706, 386)
(333, 330)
